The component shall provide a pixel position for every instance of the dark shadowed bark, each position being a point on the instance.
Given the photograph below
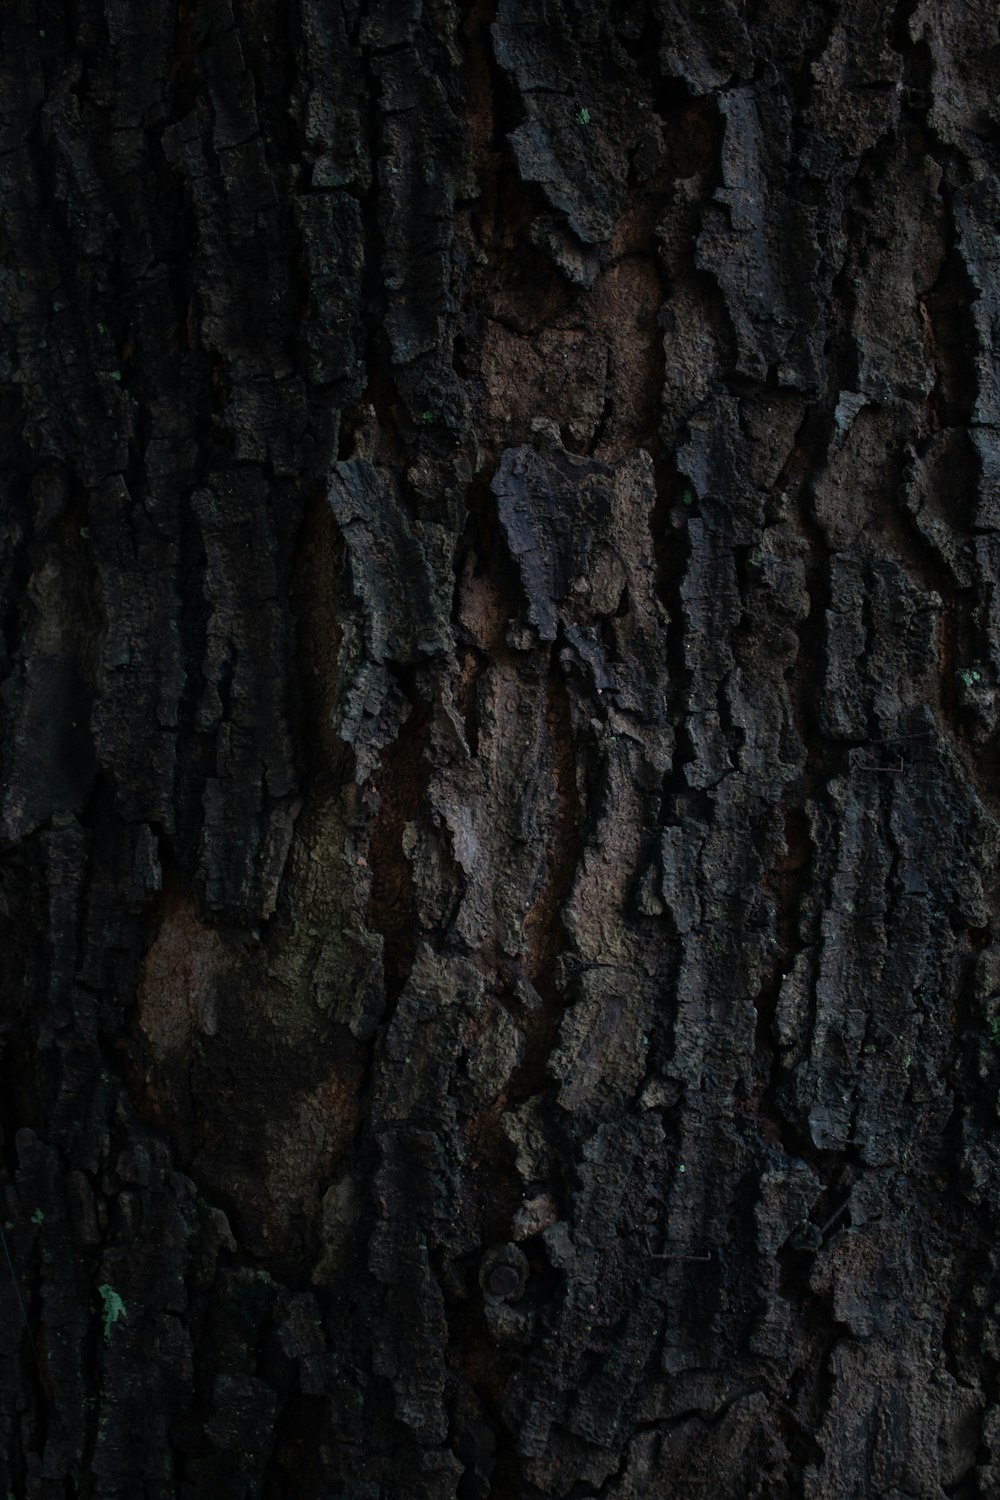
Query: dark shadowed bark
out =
(499, 543)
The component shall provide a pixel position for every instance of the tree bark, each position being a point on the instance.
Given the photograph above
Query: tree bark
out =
(500, 707)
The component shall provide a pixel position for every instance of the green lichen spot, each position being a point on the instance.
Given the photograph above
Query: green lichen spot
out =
(114, 1308)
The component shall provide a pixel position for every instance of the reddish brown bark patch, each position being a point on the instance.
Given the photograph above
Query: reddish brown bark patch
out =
(177, 994)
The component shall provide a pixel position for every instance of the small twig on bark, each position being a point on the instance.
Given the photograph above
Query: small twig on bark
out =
(837, 1214)
(20, 1301)
(679, 1255)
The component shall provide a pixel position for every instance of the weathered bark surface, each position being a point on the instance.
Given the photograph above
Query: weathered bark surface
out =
(500, 541)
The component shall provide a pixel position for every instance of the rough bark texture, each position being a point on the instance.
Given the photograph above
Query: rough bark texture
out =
(500, 544)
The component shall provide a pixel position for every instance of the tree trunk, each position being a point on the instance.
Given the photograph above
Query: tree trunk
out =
(501, 692)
